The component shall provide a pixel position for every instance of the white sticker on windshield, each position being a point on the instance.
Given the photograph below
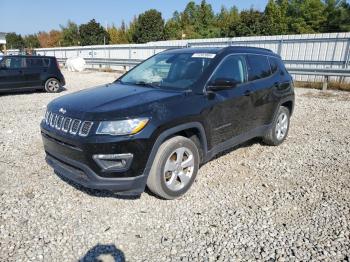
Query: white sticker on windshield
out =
(203, 55)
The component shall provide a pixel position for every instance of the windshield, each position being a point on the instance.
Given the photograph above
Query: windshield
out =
(177, 71)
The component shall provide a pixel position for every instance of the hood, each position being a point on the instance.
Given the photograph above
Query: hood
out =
(112, 101)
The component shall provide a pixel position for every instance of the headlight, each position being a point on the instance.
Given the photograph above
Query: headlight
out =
(122, 127)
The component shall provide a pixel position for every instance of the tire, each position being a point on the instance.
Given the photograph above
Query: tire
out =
(52, 85)
(279, 129)
(169, 179)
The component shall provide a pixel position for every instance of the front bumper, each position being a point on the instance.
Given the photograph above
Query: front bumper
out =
(83, 175)
(74, 160)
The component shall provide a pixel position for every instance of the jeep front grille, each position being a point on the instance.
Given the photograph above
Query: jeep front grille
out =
(59, 122)
(75, 126)
(67, 124)
(85, 128)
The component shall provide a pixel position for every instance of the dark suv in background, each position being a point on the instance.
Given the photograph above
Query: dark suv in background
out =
(157, 123)
(30, 73)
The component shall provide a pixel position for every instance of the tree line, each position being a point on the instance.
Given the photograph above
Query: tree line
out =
(200, 21)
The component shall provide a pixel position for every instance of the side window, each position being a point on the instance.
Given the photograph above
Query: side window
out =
(277, 65)
(12, 63)
(6, 63)
(233, 68)
(274, 64)
(34, 62)
(258, 67)
(46, 62)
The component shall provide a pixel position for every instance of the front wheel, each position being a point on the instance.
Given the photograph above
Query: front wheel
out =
(174, 168)
(279, 129)
(52, 85)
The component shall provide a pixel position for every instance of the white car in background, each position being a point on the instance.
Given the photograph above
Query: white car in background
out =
(1, 56)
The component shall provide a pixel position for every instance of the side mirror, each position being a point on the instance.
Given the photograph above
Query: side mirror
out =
(222, 84)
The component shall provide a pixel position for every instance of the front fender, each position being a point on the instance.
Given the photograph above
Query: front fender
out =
(171, 131)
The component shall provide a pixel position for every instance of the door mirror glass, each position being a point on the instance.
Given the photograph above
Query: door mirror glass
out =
(222, 84)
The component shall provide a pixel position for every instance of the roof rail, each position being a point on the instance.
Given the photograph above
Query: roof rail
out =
(250, 47)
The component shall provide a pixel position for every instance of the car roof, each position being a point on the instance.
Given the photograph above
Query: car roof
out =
(189, 50)
(30, 56)
(229, 49)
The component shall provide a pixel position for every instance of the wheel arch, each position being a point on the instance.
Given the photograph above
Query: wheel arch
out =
(287, 102)
(45, 78)
(290, 105)
(186, 130)
(50, 77)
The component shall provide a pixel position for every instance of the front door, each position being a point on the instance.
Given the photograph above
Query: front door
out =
(228, 115)
(11, 73)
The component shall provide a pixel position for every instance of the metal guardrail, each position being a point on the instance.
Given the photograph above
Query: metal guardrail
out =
(107, 61)
(324, 72)
(320, 71)
(293, 70)
(309, 57)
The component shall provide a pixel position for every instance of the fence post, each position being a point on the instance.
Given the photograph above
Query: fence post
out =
(109, 57)
(346, 59)
(129, 56)
(92, 55)
(325, 83)
(279, 52)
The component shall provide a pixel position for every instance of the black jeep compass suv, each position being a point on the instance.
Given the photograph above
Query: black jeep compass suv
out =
(156, 124)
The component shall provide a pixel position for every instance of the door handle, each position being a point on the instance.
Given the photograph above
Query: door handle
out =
(247, 93)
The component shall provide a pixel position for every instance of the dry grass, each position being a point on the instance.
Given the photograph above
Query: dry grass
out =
(339, 86)
(336, 96)
(333, 85)
(106, 69)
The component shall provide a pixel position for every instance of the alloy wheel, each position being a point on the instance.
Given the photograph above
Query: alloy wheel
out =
(281, 126)
(179, 169)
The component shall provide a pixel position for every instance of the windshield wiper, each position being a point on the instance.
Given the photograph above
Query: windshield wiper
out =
(145, 84)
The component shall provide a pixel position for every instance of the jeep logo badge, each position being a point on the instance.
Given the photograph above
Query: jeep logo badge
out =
(62, 110)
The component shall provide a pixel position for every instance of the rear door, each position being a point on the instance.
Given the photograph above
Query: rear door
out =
(11, 73)
(262, 95)
(228, 117)
(34, 67)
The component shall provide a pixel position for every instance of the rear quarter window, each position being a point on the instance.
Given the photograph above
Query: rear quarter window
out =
(258, 67)
(46, 62)
(35, 62)
(277, 65)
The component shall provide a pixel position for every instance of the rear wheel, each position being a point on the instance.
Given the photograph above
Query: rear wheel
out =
(52, 85)
(174, 168)
(279, 129)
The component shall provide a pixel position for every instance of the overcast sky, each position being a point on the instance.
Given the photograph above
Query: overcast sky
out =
(26, 17)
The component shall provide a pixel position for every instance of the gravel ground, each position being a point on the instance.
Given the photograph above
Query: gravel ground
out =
(253, 203)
